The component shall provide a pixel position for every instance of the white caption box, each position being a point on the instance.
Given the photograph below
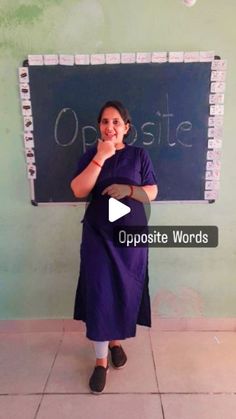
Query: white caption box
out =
(191, 57)
(209, 165)
(143, 57)
(26, 107)
(208, 185)
(214, 164)
(219, 65)
(210, 143)
(211, 132)
(212, 185)
(66, 59)
(211, 195)
(218, 87)
(216, 143)
(30, 156)
(35, 59)
(212, 174)
(217, 110)
(215, 132)
(218, 75)
(31, 171)
(217, 99)
(207, 56)
(208, 175)
(51, 59)
(82, 59)
(97, 59)
(176, 57)
(159, 57)
(128, 57)
(113, 58)
(213, 154)
(24, 91)
(24, 74)
(215, 121)
(28, 140)
(28, 123)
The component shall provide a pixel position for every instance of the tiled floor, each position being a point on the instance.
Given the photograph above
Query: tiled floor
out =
(170, 375)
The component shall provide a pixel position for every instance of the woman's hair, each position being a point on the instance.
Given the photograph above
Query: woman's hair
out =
(124, 113)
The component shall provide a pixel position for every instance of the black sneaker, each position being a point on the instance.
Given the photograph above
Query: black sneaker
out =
(97, 380)
(118, 357)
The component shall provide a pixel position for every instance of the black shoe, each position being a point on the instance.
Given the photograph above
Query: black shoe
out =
(118, 356)
(97, 380)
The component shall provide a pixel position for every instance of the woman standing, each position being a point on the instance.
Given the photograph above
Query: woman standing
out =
(112, 294)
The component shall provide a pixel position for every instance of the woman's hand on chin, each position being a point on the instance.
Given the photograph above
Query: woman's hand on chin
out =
(105, 149)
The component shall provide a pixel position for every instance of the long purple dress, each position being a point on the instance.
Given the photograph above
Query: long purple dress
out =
(112, 294)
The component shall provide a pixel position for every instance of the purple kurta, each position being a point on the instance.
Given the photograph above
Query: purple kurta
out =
(112, 294)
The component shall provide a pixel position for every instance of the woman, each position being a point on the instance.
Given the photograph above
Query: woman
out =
(112, 294)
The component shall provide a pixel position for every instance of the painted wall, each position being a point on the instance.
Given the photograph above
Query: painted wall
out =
(39, 247)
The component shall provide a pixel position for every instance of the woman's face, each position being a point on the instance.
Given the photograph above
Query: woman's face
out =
(112, 127)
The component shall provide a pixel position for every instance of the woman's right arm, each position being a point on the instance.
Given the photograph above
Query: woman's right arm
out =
(82, 184)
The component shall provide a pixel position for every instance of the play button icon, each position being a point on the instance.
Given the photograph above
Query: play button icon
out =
(117, 210)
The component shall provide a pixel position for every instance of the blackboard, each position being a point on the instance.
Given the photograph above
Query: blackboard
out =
(169, 105)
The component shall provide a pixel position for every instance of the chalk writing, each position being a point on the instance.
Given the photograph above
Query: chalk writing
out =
(60, 116)
(159, 130)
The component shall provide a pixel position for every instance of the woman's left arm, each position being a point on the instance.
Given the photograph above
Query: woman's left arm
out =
(143, 194)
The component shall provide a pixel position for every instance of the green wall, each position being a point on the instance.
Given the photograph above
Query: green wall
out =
(39, 247)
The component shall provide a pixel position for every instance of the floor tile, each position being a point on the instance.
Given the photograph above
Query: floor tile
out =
(217, 406)
(71, 325)
(25, 361)
(195, 361)
(186, 362)
(31, 326)
(18, 407)
(75, 363)
(139, 373)
(115, 406)
(193, 324)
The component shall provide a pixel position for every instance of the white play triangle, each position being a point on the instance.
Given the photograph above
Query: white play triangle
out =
(117, 210)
